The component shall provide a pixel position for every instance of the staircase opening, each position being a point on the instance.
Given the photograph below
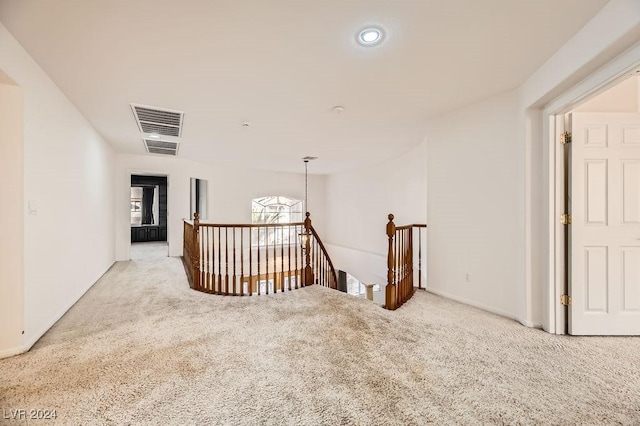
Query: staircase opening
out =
(248, 259)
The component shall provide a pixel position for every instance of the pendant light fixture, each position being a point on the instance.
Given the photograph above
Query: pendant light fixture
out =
(306, 180)
(305, 208)
(306, 186)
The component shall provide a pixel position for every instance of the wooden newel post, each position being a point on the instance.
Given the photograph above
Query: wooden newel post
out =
(308, 271)
(420, 258)
(195, 252)
(390, 292)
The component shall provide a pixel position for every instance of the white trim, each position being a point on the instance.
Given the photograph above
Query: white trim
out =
(553, 116)
(549, 129)
(558, 318)
(32, 341)
(531, 324)
(528, 219)
(152, 174)
(607, 76)
(13, 351)
(479, 305)
(533, 220)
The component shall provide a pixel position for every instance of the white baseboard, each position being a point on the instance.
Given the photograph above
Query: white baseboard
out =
(530, 324)
(472, 303)
(30, 341)
(12, 352)
(483, 307)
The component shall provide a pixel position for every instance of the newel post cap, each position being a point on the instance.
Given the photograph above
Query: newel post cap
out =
(391, 227)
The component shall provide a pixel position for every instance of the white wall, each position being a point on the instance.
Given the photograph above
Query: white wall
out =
(474, 209)
(526, 300)
(488, 181)
(68, 180)
(487, 189)
(358, 203)
(230, 191)
(613, 31)
(11, 217)
(535, 236)
(487, 185)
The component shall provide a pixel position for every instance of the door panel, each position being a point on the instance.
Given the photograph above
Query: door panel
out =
(141, 234)
(596, 203)
(631, 278)
(595, 135)
(631, 135)
(630, 189)
(153, 233)
(596, 279)
(605, 231)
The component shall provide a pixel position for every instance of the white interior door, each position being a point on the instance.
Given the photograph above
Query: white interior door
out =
(605, 230)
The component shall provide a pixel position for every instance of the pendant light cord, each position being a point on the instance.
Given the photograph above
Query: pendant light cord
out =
(306, 206)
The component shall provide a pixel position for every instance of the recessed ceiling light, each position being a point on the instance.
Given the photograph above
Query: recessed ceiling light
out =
(370, 36)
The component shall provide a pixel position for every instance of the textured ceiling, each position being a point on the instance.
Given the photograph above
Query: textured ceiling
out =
(283, 65)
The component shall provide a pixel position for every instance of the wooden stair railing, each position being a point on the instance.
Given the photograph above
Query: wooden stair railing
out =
(323, 268)
(243, 259)
(400, 255)
(189, 250)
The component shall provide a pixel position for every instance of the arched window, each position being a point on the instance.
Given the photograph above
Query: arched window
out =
(276, 209)
(273, 210)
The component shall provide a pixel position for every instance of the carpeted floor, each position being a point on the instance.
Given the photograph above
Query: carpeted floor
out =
(142, 348)
(148, 250)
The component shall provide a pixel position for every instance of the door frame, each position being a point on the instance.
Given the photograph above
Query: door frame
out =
(553, 122)
(131, 172)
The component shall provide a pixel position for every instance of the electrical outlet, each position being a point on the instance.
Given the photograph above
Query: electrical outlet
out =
(33, 208)
(467, 278)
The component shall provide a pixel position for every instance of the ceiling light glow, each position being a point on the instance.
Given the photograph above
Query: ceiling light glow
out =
(370, 36)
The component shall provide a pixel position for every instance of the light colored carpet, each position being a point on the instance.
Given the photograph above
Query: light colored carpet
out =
(142, 348)
(140, 251)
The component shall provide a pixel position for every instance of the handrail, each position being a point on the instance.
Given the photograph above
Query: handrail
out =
(246, 259)
(400, 263)
(414, 225)
(332, 279)
(189, 258)
(249, 225)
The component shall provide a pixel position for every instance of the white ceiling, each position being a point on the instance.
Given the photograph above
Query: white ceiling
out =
(282, 66)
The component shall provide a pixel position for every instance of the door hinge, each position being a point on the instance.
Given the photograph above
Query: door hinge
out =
(565, 300)
(565, 219)
(565, 138)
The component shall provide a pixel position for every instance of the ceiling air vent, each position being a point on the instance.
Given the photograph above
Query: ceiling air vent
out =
(156, 120)
(161, 147)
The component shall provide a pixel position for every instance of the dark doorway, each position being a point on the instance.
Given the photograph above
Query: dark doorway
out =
(148, 208)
